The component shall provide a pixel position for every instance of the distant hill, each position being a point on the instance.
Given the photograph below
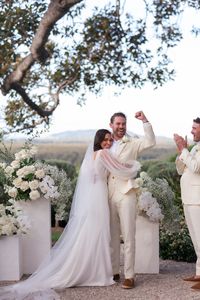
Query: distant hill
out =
(85, 136)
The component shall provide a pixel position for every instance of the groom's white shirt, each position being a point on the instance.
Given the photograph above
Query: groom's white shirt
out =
(114, 147)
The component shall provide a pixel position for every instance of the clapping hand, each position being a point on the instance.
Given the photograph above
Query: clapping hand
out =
(181, 143)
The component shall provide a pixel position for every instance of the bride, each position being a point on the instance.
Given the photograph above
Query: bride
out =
(81, 257)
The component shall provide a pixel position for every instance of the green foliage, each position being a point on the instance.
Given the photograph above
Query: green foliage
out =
(177, 245)
(3, 180)
(6, 156)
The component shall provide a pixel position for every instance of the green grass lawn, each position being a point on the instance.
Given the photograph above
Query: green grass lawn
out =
(55, 236)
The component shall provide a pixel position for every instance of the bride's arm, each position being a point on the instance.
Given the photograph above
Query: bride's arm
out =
(125, 171)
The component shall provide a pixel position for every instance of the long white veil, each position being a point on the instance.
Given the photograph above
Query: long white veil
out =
(39, 285)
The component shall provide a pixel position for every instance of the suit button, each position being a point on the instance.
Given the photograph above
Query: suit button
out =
(113, 177)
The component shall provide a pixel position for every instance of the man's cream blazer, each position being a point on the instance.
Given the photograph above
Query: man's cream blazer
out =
(127, 151)
(188, 165)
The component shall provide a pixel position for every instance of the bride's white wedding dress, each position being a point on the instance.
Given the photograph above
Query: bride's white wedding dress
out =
(81, 257)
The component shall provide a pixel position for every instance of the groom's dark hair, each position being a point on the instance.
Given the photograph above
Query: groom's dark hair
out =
(99, 137)
(117, 114)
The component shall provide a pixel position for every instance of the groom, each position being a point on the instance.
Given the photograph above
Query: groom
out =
(122, 194)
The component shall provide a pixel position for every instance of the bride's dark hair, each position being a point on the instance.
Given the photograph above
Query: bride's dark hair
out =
(99, 137)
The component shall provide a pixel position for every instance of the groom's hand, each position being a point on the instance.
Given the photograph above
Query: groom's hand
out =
(141, 116)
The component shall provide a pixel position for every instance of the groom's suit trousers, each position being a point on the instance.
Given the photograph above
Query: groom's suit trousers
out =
(123, 222)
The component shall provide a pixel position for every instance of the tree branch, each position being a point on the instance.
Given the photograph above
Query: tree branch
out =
(20, 90)
(56, 10)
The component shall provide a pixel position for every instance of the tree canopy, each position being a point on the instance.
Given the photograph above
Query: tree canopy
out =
(50, 48)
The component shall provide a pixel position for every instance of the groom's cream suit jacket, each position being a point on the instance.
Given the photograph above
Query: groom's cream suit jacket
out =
(127, 151)
(188, 165)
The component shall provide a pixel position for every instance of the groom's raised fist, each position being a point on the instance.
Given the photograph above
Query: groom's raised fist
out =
(141, 116)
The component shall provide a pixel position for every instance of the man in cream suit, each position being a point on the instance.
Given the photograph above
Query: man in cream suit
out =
(188, 165)
(122, 194)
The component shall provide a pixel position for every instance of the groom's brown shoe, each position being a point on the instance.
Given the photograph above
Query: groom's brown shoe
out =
(192, 278)
(128, 283)
(196, 286)
(116, 277)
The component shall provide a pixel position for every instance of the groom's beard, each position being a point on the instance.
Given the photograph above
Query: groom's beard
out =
(119, 133)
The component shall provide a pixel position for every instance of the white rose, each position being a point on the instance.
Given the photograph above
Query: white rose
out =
(21, 172)
(17, 182)
(29, 169)
(40, 173)
(24, 186)
(24, 154)
(34, 195)
(12, 192)
(9, 170)
(15, 164)
(34, 184)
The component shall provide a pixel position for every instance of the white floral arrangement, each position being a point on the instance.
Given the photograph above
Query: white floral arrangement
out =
(156, 200)
(12, 220)
(29, 179)
(26, 181)
(60, 179)
(148, 204)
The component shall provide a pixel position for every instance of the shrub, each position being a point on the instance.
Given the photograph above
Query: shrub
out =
(177, 245)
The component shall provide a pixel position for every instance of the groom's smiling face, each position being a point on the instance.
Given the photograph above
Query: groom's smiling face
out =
(118, 127)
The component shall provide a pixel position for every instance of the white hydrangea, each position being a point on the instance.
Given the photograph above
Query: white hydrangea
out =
(148, 204)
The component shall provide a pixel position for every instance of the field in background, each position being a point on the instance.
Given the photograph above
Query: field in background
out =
(74, 152)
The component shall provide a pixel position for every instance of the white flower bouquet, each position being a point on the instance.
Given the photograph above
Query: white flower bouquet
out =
(29, 179)
(156, 201)
(12, 220)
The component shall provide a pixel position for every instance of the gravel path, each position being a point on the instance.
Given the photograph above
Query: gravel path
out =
(167, 285)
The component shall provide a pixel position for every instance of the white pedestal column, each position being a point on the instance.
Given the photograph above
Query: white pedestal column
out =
(37, 243)
(147, 246)
(10, 258)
